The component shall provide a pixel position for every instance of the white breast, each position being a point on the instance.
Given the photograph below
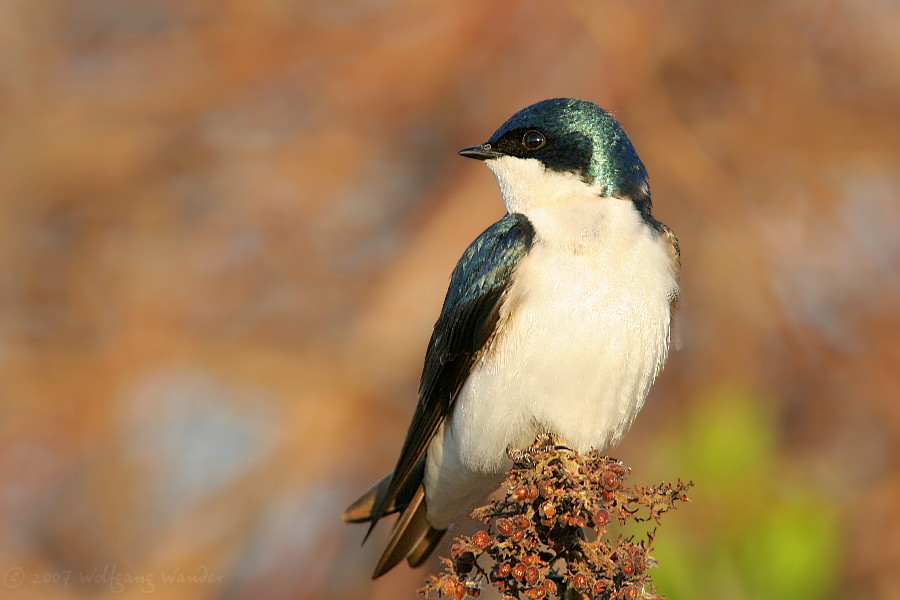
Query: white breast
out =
(584, 331)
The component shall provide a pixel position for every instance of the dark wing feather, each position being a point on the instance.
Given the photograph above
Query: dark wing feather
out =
(467, 320)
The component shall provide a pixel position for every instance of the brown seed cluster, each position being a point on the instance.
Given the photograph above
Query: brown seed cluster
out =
(547, 536)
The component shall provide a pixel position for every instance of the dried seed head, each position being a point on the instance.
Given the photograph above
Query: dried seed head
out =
(550, 586)
(577, 521)
(610, 481)
(546, 489)
(580, 581)
(481, 539)
(460, 591)
(548, 503)
(505, 527)
(640, 562)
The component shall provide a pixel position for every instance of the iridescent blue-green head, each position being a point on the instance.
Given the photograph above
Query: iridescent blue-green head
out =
(570, 137)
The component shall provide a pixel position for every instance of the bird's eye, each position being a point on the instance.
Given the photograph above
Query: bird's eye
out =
(533, 139)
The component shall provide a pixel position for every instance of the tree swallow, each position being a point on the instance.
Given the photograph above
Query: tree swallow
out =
(557, 320)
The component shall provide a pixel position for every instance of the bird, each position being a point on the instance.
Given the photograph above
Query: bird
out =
(556, 322)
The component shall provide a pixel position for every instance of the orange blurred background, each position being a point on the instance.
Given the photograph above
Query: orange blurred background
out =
(226, 229)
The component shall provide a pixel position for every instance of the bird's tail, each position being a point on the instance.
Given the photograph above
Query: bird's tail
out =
(361, 510)
(412, 538)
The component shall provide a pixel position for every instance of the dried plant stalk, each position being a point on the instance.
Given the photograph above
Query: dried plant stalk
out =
(547, 536)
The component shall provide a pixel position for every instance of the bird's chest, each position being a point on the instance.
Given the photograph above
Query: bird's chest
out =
(601, 310)
(589, 286)
(583, 331)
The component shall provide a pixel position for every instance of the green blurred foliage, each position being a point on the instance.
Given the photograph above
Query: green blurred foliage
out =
(755, 527)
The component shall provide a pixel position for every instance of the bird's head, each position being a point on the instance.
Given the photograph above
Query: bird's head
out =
(555, 143)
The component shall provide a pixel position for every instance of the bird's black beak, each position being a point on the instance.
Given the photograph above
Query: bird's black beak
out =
(482, 152)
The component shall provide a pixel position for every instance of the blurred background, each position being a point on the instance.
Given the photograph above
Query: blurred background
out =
(226, 229)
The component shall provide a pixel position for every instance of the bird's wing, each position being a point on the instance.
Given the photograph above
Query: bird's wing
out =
(467, 321)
